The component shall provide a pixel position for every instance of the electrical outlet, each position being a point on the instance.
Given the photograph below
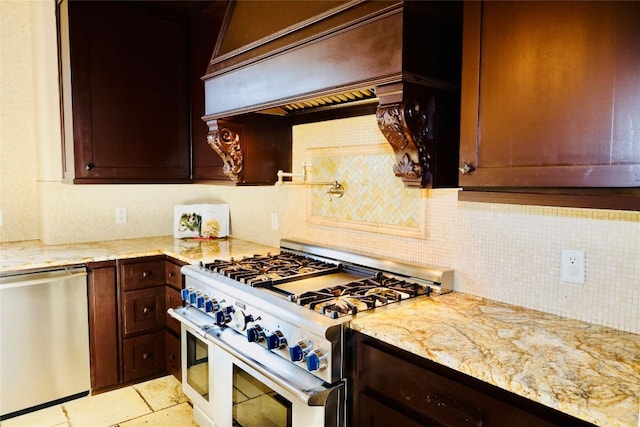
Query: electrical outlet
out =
(121, 215)
(572, 266)
(275, 220)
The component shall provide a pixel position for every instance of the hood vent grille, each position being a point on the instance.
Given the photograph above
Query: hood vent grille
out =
(356, 97)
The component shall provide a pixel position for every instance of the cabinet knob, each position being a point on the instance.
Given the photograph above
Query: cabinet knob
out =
(147, 310)
(466, 168)
(145, 273)
(90, 166)
(171, 274)
(147, 355)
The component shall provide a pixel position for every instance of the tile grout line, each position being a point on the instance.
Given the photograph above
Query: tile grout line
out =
(139, 416)
(66, 415)
(143, 399)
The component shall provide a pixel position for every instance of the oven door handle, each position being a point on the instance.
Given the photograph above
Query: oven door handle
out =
(318, 392)
(206, 331)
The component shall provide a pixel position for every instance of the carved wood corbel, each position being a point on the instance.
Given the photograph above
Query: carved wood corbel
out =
(408, 126)
(226, 143)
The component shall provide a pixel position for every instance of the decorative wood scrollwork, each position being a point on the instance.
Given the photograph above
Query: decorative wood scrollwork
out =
(408, 126)
(226, 143)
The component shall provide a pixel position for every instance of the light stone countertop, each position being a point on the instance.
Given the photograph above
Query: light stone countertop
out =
(29, 255)
(591, 372)
(588, 371)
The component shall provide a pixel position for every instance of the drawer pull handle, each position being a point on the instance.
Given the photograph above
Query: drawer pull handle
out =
(147, 310)
(145, 274)
(453, 409)
(466, 168)
(147, 355)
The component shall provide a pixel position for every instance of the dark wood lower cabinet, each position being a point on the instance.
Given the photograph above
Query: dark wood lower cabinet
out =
(103, 320)
(375, 413)
(143, 356)
(172, 353)
(175, 282)
(131, 336)
(394, 387)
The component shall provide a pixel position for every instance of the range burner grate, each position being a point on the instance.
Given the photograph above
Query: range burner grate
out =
(360, 295)
(268, 270)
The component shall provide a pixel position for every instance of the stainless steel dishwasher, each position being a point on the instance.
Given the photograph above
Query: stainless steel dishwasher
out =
(44, 339)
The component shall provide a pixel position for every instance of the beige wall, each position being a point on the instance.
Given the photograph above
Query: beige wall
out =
(504, 252)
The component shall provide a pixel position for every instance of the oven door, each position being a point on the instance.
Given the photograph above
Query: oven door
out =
(198, 355)
(234, 382)
(251, 399)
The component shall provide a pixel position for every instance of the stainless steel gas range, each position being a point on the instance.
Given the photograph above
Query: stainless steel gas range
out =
(263, 337)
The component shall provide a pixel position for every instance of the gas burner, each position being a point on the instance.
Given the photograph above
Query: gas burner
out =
(360, 295)
(267, 270)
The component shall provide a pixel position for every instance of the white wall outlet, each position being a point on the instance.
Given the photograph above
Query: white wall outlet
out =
(121, 215)
(275, 220)
(572, 266)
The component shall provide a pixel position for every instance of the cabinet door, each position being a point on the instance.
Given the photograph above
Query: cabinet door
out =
(207, 165)
(550, 94)
(173, 358)
(143, 310)
(173, 299)
(374, 413)
(130, 94)
(173, 275)
(137, 274)
(143, 355)
(103, 331)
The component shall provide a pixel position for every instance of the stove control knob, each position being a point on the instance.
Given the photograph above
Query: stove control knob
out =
(316, 361)
(200, 301)
(299, 350)
(276, 340)
(192, 297)
(255, 334)
(223, 316)
(210, 305)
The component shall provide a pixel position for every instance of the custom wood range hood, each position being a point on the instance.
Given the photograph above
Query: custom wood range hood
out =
(298, 61)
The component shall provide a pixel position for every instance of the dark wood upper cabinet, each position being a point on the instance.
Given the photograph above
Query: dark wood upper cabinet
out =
(138, 99)
(130, 92)
(551, 99)
(205, 25)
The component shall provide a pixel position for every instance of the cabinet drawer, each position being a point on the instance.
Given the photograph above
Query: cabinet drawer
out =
(172, 353)
(142, 274)
(172, 300)
(431, 396)
(174, 276)
(143, 310)
(143, 355)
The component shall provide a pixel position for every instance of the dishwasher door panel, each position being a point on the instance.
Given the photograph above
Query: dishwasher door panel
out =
(44, 339)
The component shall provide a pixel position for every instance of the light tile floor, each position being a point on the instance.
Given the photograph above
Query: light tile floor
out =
(158, 402)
